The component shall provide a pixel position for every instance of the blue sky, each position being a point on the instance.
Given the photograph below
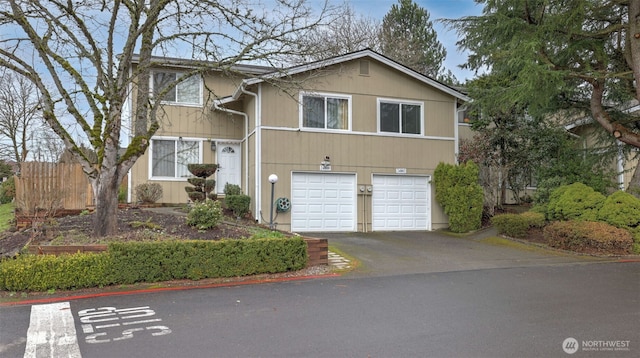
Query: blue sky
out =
(438, 9)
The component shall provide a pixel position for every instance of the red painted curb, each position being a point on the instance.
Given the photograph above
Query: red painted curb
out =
(161, 289)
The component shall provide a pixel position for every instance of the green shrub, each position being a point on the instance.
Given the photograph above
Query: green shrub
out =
(122, 194)
(148, 192)
(574, 202)
(534, 218)
(7, 191)
(44, 272)
(130, 262)
(620, 209)
(517, 225)
(460, 194)
(239, 204)
(205, 215)
(232, 189)
(512, 225)
(168, 260)
(588, 236)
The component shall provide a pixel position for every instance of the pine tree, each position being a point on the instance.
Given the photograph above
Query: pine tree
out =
(407, 36)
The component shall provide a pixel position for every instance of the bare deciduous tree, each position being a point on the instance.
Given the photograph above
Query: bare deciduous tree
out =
(348, 33)
(80, 56)
(19, 115)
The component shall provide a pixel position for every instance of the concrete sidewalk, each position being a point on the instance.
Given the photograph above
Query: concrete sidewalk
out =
(394, 253)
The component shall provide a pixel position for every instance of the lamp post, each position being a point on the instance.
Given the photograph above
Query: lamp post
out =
(273, 179)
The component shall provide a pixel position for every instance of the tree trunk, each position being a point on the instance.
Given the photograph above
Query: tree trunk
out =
(634, 40)
(105, 221)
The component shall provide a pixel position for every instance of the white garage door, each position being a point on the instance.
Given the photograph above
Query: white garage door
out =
(323, 202)
(401, 202)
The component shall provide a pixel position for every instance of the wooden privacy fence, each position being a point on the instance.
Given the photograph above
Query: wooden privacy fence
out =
(47, 188)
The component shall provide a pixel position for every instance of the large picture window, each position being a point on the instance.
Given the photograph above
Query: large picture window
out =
(169, 158)
(400, 117)
(188, 91)
(326, 112)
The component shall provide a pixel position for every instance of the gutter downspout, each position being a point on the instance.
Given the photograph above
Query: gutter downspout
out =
(246, 140)
(456, 130)
(620, 162)
(258, 149)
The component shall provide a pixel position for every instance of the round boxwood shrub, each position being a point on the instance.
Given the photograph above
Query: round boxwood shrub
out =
(205, 215)
(574, 202)
(620, 209)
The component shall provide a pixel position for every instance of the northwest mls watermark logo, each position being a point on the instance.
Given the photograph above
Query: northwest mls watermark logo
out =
(571, 345)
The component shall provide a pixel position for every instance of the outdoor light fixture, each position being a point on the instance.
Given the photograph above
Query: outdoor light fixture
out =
(273, 179)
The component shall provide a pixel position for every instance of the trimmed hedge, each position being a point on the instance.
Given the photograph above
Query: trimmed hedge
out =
(517, 225)
(45, 272)
(130, 262)
(588, 236)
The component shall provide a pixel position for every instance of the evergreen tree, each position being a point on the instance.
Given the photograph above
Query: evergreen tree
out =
(550, 56)
(407, 36)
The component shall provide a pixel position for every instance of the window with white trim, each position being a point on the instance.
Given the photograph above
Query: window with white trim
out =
(188, 91)
(169, 157)
(326, 111)
(400, 117)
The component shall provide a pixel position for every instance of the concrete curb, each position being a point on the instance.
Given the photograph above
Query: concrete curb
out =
(164, 289)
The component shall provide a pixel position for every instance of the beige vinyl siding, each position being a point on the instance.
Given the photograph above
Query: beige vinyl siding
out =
(192, 122)
(286, 148)
(465, 132)
(348, 151)
(280, 109)
(360, 154)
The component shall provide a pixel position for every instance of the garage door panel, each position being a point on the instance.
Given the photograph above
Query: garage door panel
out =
(400, 203)
(324, 202)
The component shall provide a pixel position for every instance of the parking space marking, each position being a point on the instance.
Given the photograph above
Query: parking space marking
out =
(98, 323)
(52, 332)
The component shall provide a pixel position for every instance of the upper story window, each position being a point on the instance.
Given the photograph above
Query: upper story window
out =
(326, 111)
(188, 91)
(169, 157)
(400, 116)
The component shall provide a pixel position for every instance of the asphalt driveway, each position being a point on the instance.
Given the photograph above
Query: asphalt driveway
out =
(394, 253)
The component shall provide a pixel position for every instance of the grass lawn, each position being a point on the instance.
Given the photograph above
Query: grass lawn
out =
(6, 215)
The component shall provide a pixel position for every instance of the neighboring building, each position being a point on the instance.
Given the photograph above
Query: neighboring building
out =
(625, 163)
(354, 150)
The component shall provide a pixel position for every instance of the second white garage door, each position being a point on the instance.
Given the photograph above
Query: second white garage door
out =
(323, 202)
(401, 202)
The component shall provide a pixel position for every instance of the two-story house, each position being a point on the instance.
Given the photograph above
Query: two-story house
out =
(354, 142)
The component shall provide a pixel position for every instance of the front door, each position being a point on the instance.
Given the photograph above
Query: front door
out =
(229, 165)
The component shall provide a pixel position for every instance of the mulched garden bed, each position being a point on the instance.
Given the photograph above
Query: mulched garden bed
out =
(134, 224)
